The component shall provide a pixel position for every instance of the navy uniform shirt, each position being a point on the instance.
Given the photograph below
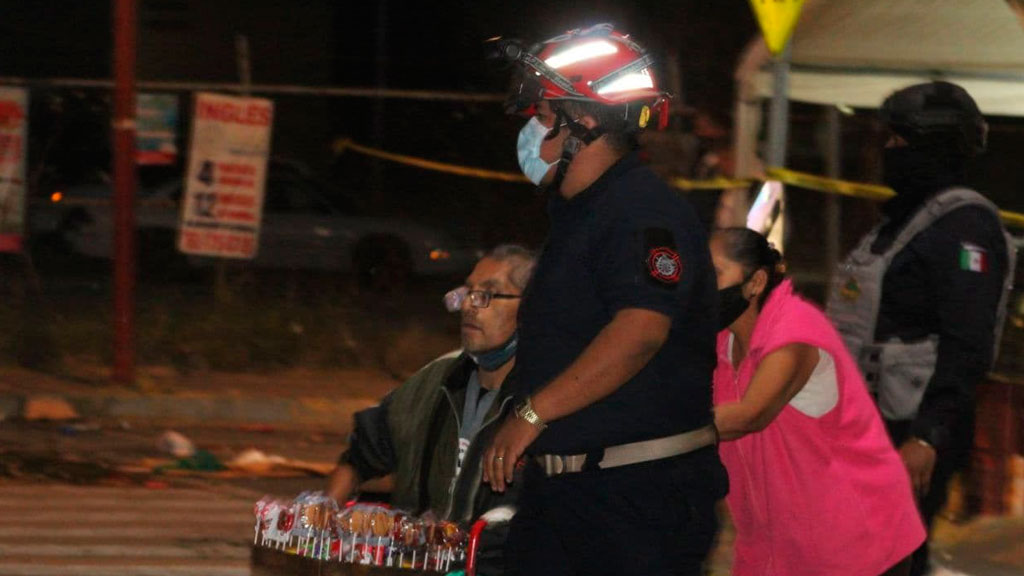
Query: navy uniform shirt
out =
(627, 241)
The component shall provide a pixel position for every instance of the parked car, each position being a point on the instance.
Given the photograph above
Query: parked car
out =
(304, 227)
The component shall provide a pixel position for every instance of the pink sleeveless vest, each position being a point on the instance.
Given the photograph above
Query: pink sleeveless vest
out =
(813, 496)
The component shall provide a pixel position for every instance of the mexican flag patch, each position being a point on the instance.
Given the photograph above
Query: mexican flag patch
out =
(973, 258)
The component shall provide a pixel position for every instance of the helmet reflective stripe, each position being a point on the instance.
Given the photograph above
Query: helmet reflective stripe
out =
(632, 76)
(580, 53)
(627, 83)
(604, 29)
(547, 72)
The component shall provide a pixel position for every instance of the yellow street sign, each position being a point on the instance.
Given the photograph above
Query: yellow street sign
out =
(777, 19)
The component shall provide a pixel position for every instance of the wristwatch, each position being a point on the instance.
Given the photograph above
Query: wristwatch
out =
(525, 411)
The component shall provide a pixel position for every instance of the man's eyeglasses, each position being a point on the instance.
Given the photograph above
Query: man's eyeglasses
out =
(477, 298)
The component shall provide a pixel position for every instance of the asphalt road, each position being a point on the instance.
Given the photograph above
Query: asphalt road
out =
(89, 498)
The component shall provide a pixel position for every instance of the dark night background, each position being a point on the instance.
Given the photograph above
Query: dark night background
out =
(423, 45)
(411, 45)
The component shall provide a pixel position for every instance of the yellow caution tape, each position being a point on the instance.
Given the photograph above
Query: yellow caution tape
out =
(831, 185)
(341, 145)
(858, 189)
(792, 177)
(1014, 219)
(710, 184)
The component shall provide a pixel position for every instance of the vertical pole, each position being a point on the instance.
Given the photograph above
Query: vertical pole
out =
(833, 209)
(221, 289)
(380, 61)
(124, 190)
(778, 131)
(778, 116)
(242, 58)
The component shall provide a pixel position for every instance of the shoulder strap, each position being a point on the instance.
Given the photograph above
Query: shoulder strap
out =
(937, 207)
(1011, 275)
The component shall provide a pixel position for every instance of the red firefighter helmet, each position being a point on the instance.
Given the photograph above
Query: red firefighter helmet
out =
(596, 64)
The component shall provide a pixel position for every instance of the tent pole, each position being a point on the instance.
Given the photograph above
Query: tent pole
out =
(778, 116)
(778, 127)
(833, 209)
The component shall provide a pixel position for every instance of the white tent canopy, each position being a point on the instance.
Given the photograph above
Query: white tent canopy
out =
(857, 52)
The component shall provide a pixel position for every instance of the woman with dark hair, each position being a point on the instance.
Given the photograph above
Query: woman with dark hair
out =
(816, 486)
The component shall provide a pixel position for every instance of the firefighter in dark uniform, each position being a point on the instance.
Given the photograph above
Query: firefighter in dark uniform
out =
(920, 302)
(617, 331)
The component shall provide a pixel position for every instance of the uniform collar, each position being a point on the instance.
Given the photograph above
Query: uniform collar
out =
(628, 162)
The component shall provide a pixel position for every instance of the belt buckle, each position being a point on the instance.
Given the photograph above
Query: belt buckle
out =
(554, 465)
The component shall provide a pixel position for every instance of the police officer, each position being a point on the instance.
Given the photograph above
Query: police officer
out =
(920, 301)
(613, 417)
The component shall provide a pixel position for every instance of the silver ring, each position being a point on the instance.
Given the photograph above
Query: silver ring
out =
(499, 457)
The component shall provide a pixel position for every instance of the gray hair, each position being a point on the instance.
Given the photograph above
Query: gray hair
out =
(524, 262)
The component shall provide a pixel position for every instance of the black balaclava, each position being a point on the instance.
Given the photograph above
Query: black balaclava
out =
(917, 172)
(942, 127)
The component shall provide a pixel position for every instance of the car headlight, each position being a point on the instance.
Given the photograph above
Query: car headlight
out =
(438, 254)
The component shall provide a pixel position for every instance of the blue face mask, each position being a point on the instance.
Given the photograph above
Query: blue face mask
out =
(494, 359)
(531, 136)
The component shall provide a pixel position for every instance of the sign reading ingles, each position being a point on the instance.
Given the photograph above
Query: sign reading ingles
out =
(226, 175)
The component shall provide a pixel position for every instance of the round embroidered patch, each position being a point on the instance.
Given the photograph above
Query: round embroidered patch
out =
(664, 265)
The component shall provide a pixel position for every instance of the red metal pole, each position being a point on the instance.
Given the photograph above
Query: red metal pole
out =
(124, 190)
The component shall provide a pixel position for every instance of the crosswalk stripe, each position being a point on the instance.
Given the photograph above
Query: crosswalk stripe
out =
(15, 506)
(22, 566)
(131, 515)
(62, 530)
(147, 530)
(201, 549)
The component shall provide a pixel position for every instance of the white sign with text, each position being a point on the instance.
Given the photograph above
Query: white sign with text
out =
(224, 185)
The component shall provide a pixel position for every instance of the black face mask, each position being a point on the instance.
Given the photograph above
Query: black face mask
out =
(920, 170)
(731, 305)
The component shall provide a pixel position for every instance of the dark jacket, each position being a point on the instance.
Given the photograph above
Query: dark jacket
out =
(926, 291)
(414, 434)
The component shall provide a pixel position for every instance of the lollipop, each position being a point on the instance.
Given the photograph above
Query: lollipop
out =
(381, 524)
(259, 510)
(343, 522)
(395, 536)
(447, 538)
(433, 535)
(399, 525)
(317, 513)
(267, 513)
(350, 524)
(368, 557)
(412, 538)
(285, 523)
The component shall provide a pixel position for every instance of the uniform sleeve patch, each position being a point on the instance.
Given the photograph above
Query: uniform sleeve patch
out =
(973, 258)
(664, 265)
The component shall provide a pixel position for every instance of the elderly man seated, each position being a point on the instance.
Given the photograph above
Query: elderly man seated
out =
(429, 434)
